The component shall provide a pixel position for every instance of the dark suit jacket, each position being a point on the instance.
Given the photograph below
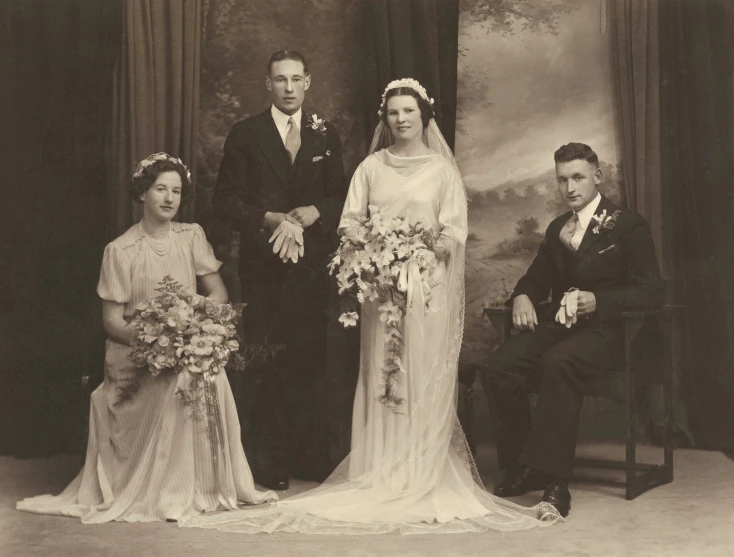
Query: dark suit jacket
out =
(256, 176)
(618, 264)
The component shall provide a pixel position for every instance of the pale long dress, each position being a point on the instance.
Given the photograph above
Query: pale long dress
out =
(408, 470)
(146, 459)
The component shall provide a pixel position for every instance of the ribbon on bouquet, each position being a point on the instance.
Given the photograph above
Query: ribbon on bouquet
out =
(203, 391)
(410, 282)
(566, 314)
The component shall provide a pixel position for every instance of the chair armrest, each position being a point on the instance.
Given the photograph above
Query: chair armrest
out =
(501, 320)
(503, 310)
(643, 313)
(633, 320)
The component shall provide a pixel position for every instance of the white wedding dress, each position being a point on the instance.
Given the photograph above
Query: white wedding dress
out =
(409, 469)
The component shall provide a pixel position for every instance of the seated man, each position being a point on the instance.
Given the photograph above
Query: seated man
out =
(596, 261)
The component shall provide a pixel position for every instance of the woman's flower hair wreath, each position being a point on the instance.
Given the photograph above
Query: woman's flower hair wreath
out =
(410, 83)
(145, 163)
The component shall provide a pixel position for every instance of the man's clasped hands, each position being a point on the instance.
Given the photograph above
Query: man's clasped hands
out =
(287, 231)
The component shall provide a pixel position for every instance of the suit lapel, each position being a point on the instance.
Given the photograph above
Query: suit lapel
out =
(304, 159)
(272, 146)
(590, 238)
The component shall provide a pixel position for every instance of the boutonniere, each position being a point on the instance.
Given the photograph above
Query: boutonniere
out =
(604, 222)
(318, 125)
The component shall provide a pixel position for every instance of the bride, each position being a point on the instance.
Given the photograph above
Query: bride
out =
(409, 468)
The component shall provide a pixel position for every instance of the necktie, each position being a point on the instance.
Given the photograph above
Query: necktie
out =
(568, 233)
(292, 139)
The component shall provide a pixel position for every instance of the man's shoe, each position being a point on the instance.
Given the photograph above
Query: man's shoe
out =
(276, 484)
(519, 481)
(557, 494)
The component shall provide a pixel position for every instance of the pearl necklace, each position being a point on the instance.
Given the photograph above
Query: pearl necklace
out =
(161, 247)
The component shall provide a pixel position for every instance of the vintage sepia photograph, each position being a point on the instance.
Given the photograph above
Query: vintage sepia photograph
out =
(367, 277)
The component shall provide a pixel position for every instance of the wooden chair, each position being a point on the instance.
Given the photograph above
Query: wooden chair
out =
(639, 477)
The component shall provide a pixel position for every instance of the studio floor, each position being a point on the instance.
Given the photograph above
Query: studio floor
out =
(692, 516)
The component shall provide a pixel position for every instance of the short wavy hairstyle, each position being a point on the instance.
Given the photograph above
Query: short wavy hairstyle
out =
(426, 109)
(576, 151)
(142, 181)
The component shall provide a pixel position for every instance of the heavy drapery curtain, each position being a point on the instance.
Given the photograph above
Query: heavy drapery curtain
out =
(635, 46)
(55, 62)
(156, 95)
(673, 67)
(636, 50)
(412, 38)
(697, 112)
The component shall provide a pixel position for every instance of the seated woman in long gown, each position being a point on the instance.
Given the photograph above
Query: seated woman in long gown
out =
(147, 459)
(409, 468)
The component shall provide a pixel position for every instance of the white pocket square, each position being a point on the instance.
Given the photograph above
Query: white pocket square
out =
(317, 158)
(607, 249)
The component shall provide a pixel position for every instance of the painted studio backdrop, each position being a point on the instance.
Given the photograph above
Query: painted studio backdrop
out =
(527, 84)
(509, 122)
(96, 86)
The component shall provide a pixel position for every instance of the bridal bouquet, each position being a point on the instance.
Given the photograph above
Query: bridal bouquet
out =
(190, 335)
(389, 261)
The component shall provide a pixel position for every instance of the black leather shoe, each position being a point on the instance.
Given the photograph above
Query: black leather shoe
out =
(557, 494)
(519, 481)
(276, 484)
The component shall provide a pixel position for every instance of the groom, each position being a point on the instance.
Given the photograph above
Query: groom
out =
(596, 261)
(281, 185)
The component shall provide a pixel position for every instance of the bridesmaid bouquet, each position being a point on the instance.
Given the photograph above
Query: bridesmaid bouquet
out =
(389, 261)
(193, 336)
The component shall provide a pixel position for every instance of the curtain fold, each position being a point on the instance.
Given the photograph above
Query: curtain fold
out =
(635, 46)
(697, 111)
(56, 68)
(156, 96)
(412, 38)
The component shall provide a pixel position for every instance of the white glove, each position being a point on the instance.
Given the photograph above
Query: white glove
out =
(566, 314)
(298, 235)
(287, 241)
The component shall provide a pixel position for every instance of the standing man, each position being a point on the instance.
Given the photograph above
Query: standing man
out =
(596, 261)
(281, 185)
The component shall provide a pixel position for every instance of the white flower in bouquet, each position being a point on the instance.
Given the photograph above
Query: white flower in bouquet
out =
(183, 333)
(349, 319)
(377, 260)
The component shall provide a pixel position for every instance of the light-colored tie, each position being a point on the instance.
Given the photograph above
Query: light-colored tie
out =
(292, 139)
(569, 236)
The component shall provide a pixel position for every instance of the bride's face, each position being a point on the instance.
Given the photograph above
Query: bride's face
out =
(404, 117)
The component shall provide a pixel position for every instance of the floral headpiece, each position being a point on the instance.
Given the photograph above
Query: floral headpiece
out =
(408, 82)
(145, 163)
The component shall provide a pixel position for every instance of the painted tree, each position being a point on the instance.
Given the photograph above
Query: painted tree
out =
(506, 16)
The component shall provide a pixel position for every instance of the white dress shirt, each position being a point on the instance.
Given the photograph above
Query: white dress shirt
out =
(281, 121)
(585, 215)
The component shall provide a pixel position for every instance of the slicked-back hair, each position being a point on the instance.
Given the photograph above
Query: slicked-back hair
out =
(281, 55)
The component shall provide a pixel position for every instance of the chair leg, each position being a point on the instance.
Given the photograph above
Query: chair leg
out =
(631, 459)
(466, 415)
(668, 386)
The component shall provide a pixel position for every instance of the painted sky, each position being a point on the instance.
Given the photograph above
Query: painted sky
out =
(523, 95)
